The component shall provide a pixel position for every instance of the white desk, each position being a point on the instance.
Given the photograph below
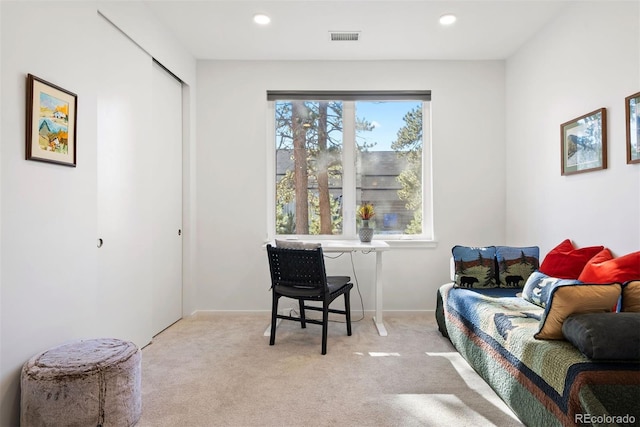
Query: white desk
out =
(376, 246)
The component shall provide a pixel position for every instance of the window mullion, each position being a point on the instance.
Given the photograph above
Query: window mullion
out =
(349, 168)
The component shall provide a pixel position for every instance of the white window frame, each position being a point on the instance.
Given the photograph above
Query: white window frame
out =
(349, 231)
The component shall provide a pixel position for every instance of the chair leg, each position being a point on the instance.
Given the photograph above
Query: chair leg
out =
(302, 315)
(347, 309)
(274, 311)
(325, 325)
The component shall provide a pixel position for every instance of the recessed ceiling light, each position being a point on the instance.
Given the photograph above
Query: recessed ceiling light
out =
(261, 19)
(447, 19)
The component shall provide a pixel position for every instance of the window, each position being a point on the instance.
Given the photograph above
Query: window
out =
(336, 150)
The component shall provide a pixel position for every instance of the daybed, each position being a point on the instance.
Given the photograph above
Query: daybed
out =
(515, 346)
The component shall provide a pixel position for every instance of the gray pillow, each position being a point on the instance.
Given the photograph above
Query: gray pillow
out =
(295, 244)
(613, 336)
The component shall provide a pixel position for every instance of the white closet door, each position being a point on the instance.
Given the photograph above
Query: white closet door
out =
(123, 182)
(166, 110)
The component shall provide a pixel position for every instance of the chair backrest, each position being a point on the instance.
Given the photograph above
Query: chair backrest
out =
(297, 268)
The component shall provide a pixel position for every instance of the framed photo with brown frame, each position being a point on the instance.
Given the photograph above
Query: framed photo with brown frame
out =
(51, 123)
(584, 143)
(632, 113)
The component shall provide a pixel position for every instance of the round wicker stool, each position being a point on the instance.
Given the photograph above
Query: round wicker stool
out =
(93, 382)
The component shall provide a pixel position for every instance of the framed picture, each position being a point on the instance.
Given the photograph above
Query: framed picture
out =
(584, 143)
(632, 109)
(51, 123)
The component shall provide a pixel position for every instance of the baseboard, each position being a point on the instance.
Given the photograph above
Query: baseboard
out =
(210, 313)
(286, 311)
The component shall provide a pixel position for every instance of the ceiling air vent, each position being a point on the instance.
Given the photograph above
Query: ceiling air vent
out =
(344, 36)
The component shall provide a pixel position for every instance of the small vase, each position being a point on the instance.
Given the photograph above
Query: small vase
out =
(365, 233)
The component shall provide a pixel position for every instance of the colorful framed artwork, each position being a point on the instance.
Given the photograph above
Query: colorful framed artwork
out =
(51, 123)
(632, 113)
(584, 143)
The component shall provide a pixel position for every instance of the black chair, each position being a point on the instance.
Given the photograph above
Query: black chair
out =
(300, 274)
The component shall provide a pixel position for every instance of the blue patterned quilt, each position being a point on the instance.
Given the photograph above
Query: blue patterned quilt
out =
(544, 382)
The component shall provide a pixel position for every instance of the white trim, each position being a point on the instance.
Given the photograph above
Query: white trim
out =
(393, 243)
(267, 312)
(427, 174)
(412, 244)
(270, 181)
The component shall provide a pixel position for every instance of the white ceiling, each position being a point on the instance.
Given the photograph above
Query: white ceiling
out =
(389, 29)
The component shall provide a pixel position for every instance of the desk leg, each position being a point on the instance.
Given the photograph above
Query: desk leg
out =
(378, 318)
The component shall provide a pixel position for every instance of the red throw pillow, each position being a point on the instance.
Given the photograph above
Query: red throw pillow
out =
(566, 262)
(604, 268)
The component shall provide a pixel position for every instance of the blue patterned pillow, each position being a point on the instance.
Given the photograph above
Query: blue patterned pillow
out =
(538, 287)
(474, 267)
(515, 265)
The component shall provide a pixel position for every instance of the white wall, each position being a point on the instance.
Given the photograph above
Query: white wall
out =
(48, 211)
(587, 58)
(49, 286)
(468, 169)
(48, 265)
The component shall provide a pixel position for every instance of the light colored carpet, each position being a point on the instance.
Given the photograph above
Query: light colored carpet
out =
(219, 370)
